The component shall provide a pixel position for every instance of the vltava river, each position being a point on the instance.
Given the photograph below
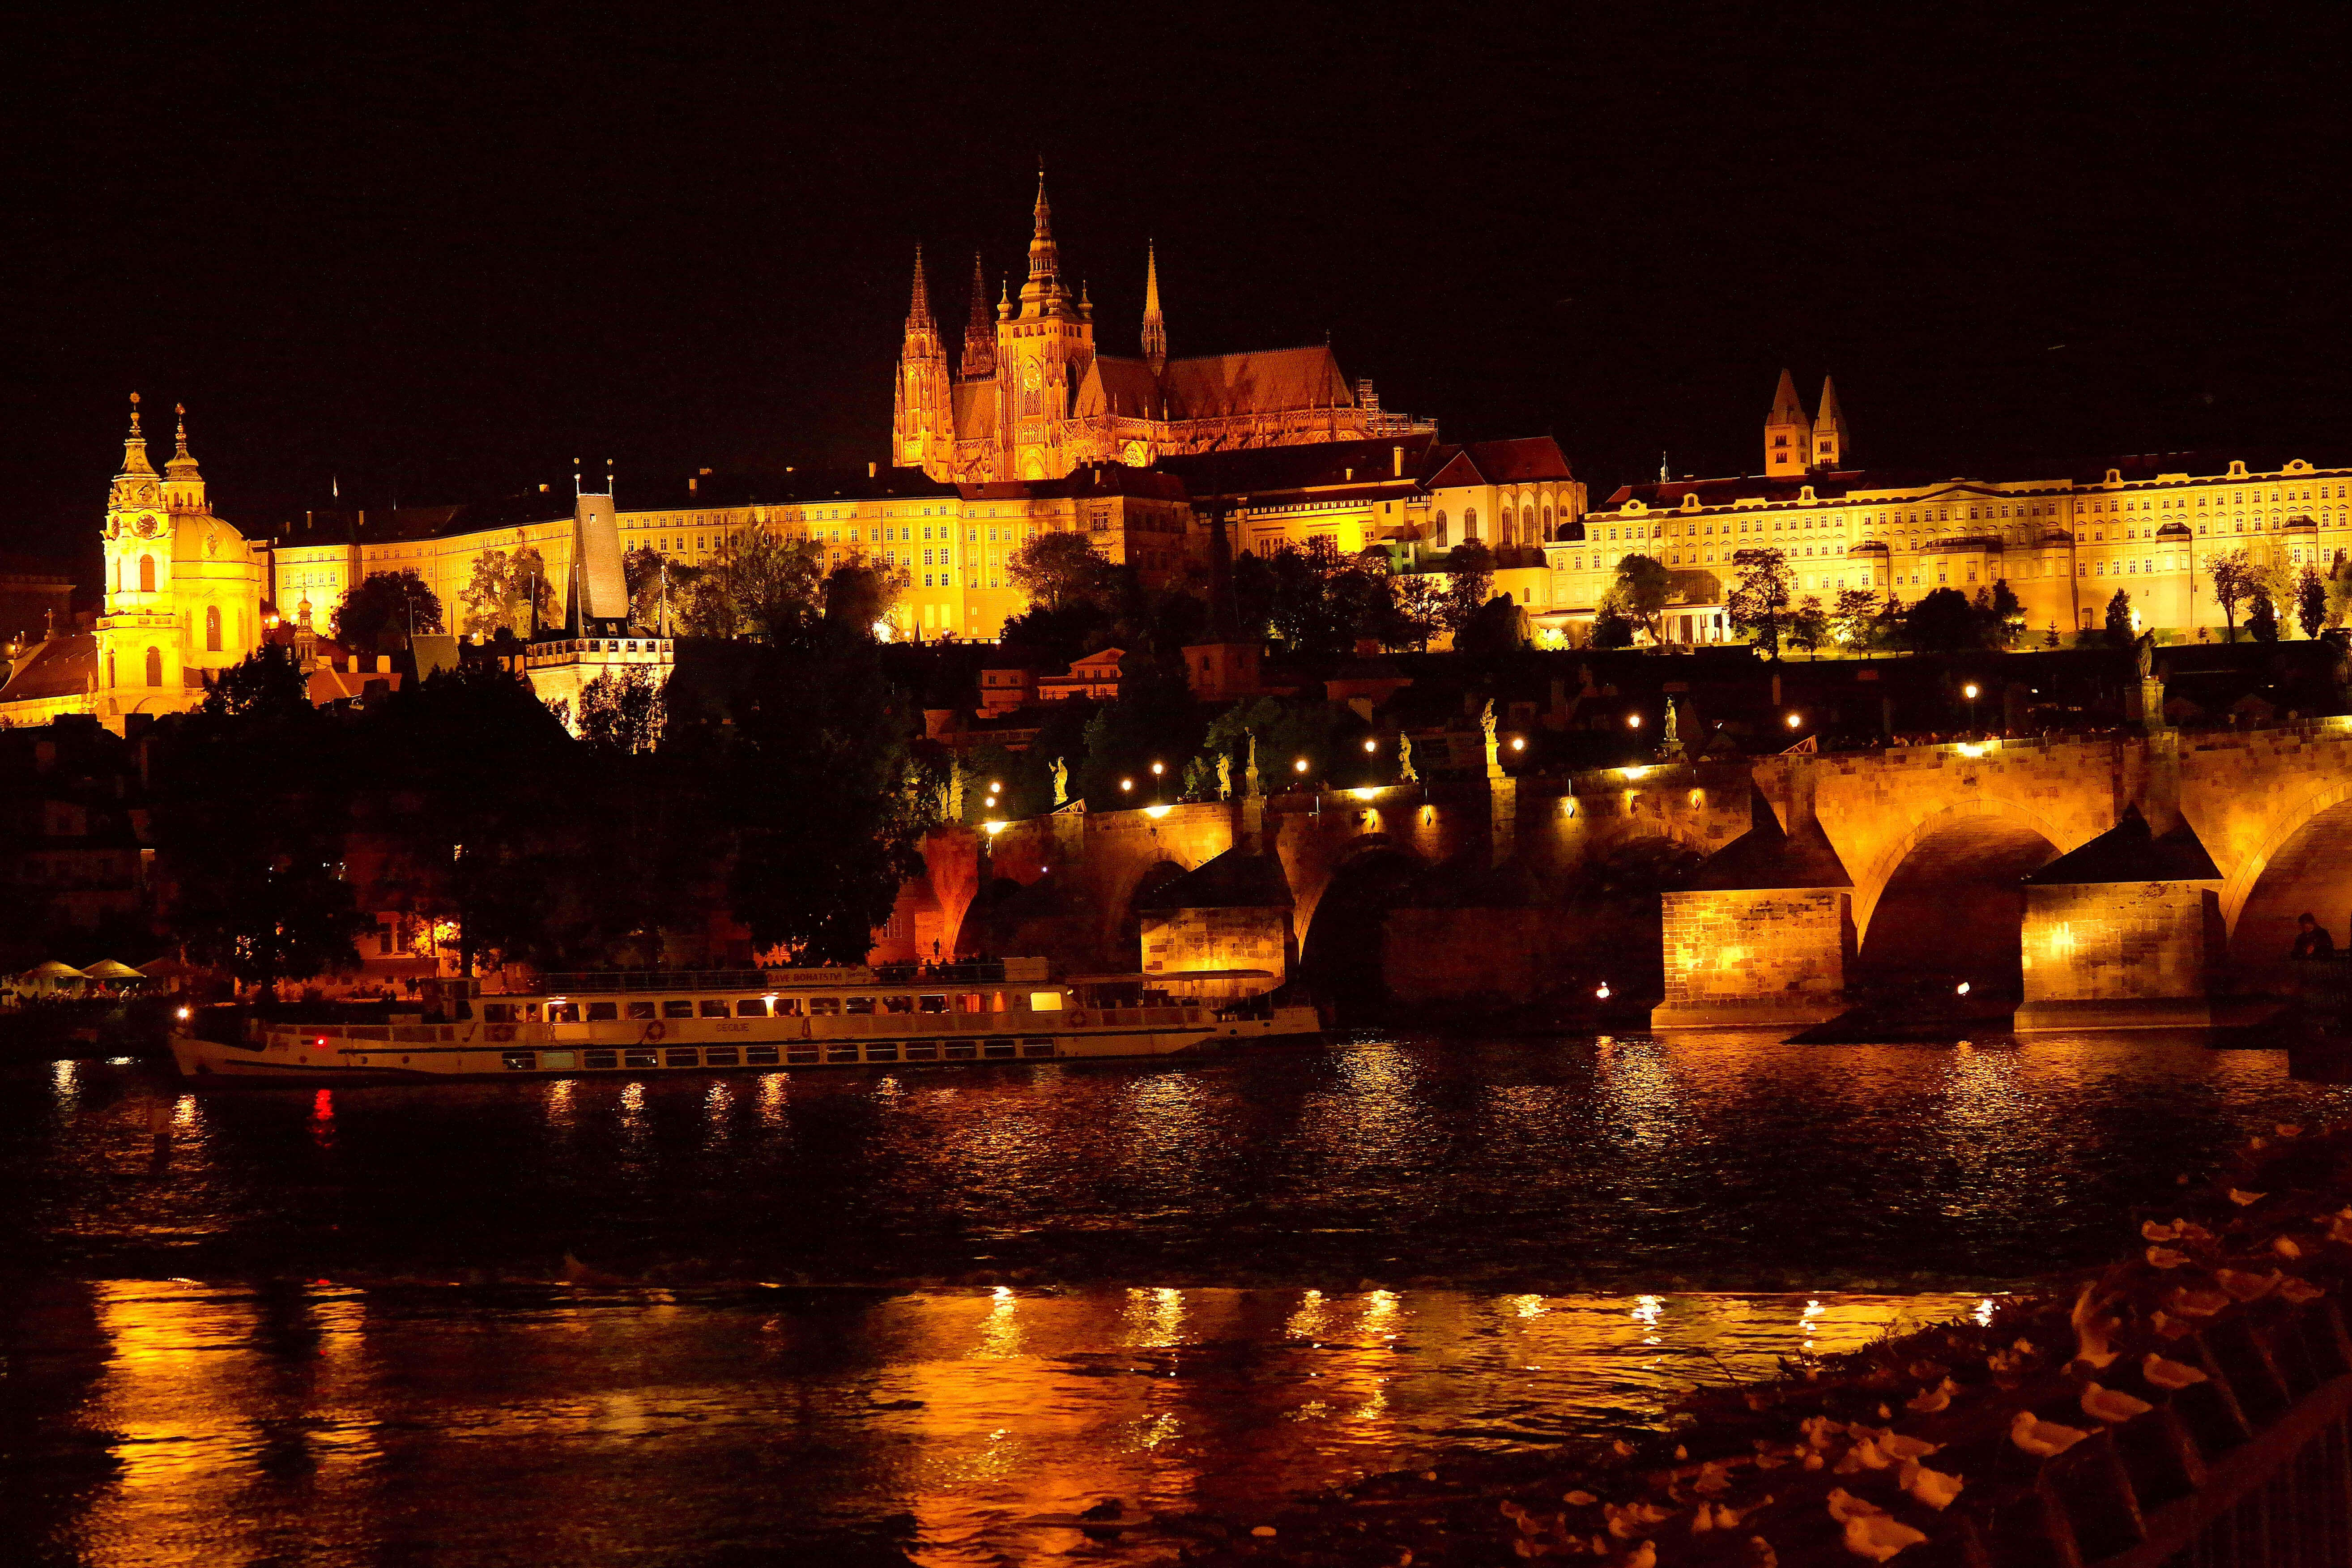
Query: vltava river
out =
(923, 1316)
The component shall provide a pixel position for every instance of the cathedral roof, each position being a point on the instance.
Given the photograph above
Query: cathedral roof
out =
(1115, 385)
(1265, 381)
(61, 667)
(1319, 465)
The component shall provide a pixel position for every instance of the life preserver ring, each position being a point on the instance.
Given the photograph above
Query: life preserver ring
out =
(653, 1030)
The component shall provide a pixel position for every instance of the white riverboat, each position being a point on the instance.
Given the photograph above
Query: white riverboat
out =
(656, 1022)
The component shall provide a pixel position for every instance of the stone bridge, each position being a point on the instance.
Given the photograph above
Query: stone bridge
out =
(2104, 879)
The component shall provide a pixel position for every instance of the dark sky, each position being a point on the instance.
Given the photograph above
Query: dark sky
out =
(439, 251)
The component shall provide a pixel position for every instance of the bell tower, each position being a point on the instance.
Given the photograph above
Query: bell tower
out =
(138, 636)
(1787, 434)
(1038, 348)
(1833, 447)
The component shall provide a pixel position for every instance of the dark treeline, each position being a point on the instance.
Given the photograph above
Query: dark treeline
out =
(779, 788)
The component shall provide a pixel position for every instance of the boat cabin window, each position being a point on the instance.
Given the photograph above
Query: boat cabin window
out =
(931, 1004)
(825, 1006)
(972, 1001)
(1044, 1001)
(603, 1012)
(563, 1012)
(714, 1009)
(641, 1009)
(526, 1012)
(750, 1007)
(788, 1006)
(678, 1009)
(897, 1003)
(858, 1004)
(497, 1012)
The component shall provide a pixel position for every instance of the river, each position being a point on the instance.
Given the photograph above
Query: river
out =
(928, 1316)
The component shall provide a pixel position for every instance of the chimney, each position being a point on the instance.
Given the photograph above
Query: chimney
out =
(693, 485)
(873, 470)
(1396, 460)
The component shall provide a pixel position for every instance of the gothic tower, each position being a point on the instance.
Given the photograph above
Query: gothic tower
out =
(1787, 434)
(1832, 444)
(923, 430)
(1040, 351)
(1155, 330)
(978, 331)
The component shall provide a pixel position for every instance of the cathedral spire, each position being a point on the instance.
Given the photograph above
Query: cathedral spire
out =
(1831, 441)
(919, 309)
(978, 331)
(1155, 330)
(134, 446)
(1787, 434)
(1044, 261)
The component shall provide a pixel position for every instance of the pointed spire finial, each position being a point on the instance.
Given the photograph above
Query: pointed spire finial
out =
(919, 308)
(1155, 329)
(134, 414)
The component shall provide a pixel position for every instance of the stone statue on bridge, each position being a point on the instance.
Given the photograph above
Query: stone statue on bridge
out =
(1061, 783)
(2144, 651)
(1249, 769)
(1672, 743)
(1494, 747)
(1404, 760)
(1225, 775)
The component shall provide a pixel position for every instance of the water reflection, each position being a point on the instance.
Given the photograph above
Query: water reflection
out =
(339, 1426)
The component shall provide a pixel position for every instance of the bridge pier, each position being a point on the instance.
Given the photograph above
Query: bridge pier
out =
(2123, 933)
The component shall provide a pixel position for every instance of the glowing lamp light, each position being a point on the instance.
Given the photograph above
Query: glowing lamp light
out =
(1963, 989)
(1633, 772)
(1602, 991)
(1633, 720)
(1795, 719)
(1518, 742)
(1372, 745)
(1158, 810)
(184, 1014)
(1127, 784)
(1970, 691)
(1300, 765)
(1364, 793)
(1157, 770)
(991, 828)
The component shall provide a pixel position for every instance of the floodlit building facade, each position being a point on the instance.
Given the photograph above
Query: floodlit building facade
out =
(2067, 538)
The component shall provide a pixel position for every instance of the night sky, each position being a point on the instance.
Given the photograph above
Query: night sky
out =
(439, 255)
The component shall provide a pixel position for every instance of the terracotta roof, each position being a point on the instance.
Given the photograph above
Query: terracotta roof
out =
(1113, 385)
(1265, 381)
(1258, 470)
(1522, 460)
(61, 667)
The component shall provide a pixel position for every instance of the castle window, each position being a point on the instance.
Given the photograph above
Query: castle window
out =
(154, 667)
(212, 628)
(147, 575)
(1469, 523)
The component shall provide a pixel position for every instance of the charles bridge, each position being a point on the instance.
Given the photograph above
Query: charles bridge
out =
(2105, 879)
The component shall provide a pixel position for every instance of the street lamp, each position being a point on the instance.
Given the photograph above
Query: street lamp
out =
(1796, 720)
(1633, 720)
(1970, 691)
(1157, 770)
(1371, 745)
(1127, 785)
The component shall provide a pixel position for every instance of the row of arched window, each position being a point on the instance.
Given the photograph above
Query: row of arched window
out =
(154, 667)
(1526, 526)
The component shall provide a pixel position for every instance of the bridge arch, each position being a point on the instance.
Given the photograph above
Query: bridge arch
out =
(1339, 949)
(2306, 864)
(1945, 901)
(1126, 944)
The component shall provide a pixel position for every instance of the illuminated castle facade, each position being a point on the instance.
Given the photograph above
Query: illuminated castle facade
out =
(2066, 538)
(1030, 398)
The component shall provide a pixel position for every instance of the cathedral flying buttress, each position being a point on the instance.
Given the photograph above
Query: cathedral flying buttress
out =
(1032, 399)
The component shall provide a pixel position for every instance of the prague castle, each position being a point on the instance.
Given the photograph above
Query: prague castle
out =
(1031, 398)
(2065, 537)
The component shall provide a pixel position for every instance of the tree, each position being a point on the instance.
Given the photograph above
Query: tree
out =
(1942, 621)
(2261, 618)
(2310, 601)
(761, 586)
(250, 817)
(621, 712)
(1499, 625)
(1611, 627)
(1809, 626)
(1856, 617)
(1056, 570)
(507, 593)
(656, 584)
(381, 613)
(1758, 601)
(859, 596)
(1418, 603)
(1470, 572)
(1640, 590)
(2236, 579)
(2119, 620)
(825, 801)
(2004, 615)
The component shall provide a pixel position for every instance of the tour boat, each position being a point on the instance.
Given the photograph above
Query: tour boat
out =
(653, 1022)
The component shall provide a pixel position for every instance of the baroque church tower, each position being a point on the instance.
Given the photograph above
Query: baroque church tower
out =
(182, 587)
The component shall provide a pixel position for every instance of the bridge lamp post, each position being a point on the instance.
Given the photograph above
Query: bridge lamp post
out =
(1970, 691)
(1157, 770)
(1633, 720)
